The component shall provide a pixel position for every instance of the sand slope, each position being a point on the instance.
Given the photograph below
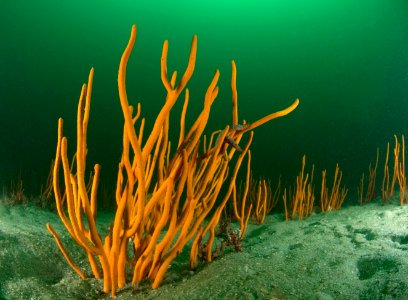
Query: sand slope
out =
(355, 253)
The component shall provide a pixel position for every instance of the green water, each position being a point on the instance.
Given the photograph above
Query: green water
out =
(346, 60)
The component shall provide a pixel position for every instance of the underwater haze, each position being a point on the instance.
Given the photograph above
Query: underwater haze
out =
(346, 60)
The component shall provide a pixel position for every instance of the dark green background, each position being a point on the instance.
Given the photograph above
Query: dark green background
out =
(346, 60)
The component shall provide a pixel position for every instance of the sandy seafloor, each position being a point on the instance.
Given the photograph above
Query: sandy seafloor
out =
(355, 253)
